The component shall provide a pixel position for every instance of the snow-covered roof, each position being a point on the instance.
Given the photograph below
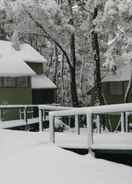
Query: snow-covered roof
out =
(42, 82)
(14, 66)
(26, 52)
(122, 74)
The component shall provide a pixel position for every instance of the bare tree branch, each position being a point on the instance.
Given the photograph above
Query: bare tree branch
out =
(48, 36)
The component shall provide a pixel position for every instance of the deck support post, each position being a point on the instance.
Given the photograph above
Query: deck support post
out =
(40, 120)
(90, 132)
(51, 127)
(77, 128)
(122, 122)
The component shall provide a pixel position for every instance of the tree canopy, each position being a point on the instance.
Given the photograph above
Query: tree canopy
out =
(67, 33)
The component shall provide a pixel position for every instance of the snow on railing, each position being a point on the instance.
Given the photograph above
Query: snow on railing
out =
(123, 109)
(43, 109)
(58, 111)
(23, 112)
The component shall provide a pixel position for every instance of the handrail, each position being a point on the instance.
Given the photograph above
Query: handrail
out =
(41, 109)
(89, 111)
(17, 106)
(54, 107)
(102, 109)
(56, 111)
(45, 108)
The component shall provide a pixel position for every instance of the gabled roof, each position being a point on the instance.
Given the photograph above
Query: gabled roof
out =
(42, 82)
(14, 66)
(122, 74)
(26, 52)
(124, 68)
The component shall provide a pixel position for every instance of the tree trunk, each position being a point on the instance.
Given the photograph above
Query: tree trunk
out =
(98, 83)
(74, 96)
(81, 72)
(55, 64)
(62, 80)
(73, 87)
(96, 51)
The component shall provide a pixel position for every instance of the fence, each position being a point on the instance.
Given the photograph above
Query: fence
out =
(123, 109)
(18, 115)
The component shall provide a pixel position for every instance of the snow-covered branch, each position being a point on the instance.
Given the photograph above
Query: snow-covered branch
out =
(47, 35)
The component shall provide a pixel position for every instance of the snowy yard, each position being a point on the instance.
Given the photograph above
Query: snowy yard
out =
(27, 158)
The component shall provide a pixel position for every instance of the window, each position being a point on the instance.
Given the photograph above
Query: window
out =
(14, 82)
(23, 82)
(36, 67)
(116, 88)
(9, 82)
(1, 81)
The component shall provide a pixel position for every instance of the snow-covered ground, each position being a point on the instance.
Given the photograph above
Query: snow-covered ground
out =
(66, 139)
(27, 158)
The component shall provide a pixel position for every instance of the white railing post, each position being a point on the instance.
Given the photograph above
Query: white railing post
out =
(69, 121)
(122, 122)
(77, 128)
(51, 128)
(21, 113)
(25, 117)
(90, 131)
(0, 114)
(127, 122)
(40, 120)
(44, 115)
(98, 124)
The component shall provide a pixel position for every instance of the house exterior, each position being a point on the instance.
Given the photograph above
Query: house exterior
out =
(114, 85)
(22, 79)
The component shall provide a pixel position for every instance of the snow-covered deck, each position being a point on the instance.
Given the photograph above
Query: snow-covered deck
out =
(26, 157)
(109, 141)
(70, 138)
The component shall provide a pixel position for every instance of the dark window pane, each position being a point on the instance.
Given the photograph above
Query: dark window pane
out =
(14, 82)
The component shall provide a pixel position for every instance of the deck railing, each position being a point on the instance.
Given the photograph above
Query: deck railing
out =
(11, 113)
(43, 109)
(123, 109)
(26, 112)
